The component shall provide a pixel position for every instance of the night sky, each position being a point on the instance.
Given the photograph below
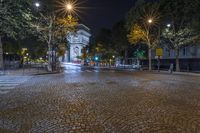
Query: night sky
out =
(103, 13)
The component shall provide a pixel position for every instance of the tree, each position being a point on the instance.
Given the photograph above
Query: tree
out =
(180, 31)
(15, 18)
(134, 14)
(119, 39)
(53, 29)
(145, 27)
(103, 44)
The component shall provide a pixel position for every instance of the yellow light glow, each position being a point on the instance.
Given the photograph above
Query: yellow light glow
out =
(69, 7)
(150, 21)
(66, 7)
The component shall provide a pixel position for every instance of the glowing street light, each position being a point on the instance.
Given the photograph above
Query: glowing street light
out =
(69, 7)
(168, 25)
(150, 21)
(37, 4)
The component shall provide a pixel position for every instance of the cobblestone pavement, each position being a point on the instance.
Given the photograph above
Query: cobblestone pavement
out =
(103, 102)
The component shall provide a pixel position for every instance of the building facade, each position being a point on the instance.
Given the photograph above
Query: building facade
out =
(77, 41)
(187, 52)
(189, 58)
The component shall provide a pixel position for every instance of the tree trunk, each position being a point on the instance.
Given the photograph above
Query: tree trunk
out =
(126, 56)
(177, 61)
(150, 59)
(50, 54)
(49, 67)
(1, 54)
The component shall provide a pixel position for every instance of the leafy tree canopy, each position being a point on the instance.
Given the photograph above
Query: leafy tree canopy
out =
(15, 18)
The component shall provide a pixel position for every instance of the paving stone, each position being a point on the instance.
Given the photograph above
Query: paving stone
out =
(103, 102)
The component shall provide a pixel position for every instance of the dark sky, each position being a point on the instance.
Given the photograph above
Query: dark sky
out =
(103, 13)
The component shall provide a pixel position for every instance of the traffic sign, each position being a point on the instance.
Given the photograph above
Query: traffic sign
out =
(159, 52)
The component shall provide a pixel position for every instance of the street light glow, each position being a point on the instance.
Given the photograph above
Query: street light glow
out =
(150, 21)
(37, 4)
(96, 58)
(168, 25)
(69, 7)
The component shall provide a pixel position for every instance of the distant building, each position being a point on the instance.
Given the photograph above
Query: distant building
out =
(77, 41)
(187, 52)
(189, 57)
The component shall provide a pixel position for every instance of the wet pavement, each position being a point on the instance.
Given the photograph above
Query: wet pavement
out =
(95, 100)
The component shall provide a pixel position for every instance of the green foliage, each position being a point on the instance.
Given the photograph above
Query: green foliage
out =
(61, 49)
(181, 38)
(183, 15)
(134, 14)
(103, 44)
(137, 34)
(139, 54)
(119, 38)
(11, 47)
(15, 18)
(141, 12)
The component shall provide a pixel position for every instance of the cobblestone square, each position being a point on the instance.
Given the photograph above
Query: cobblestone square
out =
(121, 102)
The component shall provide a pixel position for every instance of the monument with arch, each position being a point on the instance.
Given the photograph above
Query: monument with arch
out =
(77, 41)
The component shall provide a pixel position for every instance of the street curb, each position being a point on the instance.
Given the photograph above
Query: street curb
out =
(38, 74)
(178, 73)
(116, 69)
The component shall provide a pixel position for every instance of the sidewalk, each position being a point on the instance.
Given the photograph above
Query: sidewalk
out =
(111, 68)
(179, 73)
(154, 71)
(27, 72)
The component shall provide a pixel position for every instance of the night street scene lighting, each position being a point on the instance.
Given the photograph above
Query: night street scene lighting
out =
(168, 25)
(37, 4)
(150, 21)
(81, 66)
(69, 7)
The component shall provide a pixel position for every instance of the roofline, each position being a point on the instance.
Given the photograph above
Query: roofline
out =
(84, 26)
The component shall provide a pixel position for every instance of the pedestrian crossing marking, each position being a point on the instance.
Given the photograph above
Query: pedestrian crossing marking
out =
(7, 83)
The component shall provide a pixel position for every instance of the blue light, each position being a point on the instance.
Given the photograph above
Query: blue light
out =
(96, 58)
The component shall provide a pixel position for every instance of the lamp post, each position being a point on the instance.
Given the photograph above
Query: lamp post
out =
(150, 21)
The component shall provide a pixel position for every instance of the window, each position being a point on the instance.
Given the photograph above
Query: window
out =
(184, 51)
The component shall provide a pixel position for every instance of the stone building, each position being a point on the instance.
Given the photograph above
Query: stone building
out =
(77, 41)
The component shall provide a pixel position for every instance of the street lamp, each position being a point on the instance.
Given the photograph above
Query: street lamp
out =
(150, 21)
(69, 7)
(37, 4)
(168, 25)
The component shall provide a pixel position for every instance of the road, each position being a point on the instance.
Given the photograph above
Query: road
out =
(95, 100)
